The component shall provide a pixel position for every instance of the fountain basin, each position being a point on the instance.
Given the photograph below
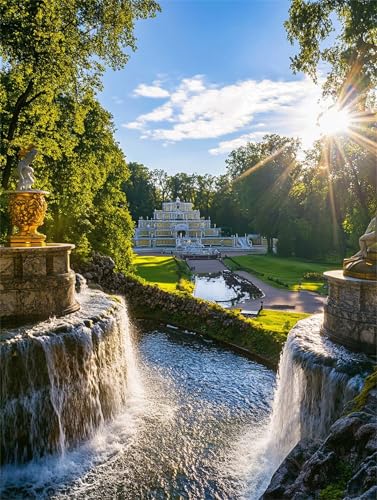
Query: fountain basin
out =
(61, 378)
(36, 283)
(350, 315)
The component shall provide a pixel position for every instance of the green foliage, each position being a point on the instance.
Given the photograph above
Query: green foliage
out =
(86, 204)
(369, 384)
(341, 474)
(54, 49)
(185, 283)
(351, 56)
(262, 176)
(213, 321)
(141, 193)
(312, 276)
(278, 321)
(168, 273)
(53, 56)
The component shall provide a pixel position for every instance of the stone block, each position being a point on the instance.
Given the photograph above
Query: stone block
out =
(61, 263)
(33, 264)
(350, 315)
(6, 266)
(41, 285)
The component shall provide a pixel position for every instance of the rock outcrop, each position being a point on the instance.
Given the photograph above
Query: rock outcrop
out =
(343, 466)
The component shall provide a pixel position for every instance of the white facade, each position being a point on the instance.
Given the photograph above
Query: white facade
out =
(176, 225)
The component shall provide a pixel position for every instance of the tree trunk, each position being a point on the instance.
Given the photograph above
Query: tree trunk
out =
(21, 103)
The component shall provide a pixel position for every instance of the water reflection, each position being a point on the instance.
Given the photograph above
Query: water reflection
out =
(225, 288)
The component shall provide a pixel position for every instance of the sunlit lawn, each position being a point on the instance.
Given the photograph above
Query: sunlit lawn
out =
(288, 270)
(278, 321)
(159, 270)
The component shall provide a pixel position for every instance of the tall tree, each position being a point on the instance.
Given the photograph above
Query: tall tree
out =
(352, 55)
(86, 204)
(52, 48)
(261, 174)
(140, 191)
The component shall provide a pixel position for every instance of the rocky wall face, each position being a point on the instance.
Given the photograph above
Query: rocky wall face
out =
(344, 465)
(61, 379)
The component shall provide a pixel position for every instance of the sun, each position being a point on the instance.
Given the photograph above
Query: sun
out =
(334, 121)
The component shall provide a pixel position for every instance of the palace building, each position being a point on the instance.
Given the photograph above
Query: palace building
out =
(178, 225)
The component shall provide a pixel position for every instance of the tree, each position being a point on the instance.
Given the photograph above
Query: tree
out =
(262, 175)
(51, 49)
(86, 204)
(160, 180)
(140, 191)
(352, 57)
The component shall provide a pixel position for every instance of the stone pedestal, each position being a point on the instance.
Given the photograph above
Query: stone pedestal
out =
(36, 283)
(350, 315)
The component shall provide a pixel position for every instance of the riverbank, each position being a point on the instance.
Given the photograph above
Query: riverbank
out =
(284, 273)
(181, 309)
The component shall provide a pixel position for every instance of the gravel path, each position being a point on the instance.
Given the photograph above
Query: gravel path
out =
(275, 298)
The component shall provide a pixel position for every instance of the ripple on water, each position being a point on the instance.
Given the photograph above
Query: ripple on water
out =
(176, 437)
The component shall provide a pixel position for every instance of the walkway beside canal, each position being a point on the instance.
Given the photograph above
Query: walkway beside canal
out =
(275, 298)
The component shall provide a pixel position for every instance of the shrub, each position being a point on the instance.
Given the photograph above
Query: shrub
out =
(312, 276)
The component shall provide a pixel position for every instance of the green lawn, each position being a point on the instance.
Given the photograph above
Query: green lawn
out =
(161, 270)
(278, 321)
(166, 272)
(288, 271)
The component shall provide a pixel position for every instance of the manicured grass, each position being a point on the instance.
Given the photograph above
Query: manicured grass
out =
(278, 321)
(166, 272)
(288, 271)
(159, 270)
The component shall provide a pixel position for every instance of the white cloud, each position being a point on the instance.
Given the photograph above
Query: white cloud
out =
(198, 110)
(153, 91)
(227, 146)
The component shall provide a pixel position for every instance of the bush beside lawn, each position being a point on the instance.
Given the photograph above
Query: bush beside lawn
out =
(291, 274)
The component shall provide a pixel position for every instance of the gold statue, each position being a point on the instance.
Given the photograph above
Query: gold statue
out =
(27, 206)
(364, 263)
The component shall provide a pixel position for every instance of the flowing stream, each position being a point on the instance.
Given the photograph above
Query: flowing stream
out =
(188, 402)
(196, 421)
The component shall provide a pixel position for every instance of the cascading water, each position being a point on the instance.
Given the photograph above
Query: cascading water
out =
(316, 380)
(62, 379)
(191, 420)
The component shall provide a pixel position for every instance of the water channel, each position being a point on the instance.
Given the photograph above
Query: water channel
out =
(225, 288)
(194, 413)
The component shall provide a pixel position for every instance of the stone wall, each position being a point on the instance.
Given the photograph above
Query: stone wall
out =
(185, 311)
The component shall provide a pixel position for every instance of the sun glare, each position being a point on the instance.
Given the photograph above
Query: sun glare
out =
(334, 121)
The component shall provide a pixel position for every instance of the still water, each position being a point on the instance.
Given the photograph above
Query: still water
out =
(225, 288)
(194, 412)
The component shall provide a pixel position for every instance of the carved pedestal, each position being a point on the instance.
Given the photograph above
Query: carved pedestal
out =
(36, 283)
(350, 315)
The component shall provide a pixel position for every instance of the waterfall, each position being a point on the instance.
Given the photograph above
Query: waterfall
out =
(316, 379)
(64, 378)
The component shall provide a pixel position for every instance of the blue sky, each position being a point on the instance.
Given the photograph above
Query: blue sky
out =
(208, 76)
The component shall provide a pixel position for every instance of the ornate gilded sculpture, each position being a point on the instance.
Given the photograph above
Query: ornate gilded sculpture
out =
(27, 206)
(364, 263)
